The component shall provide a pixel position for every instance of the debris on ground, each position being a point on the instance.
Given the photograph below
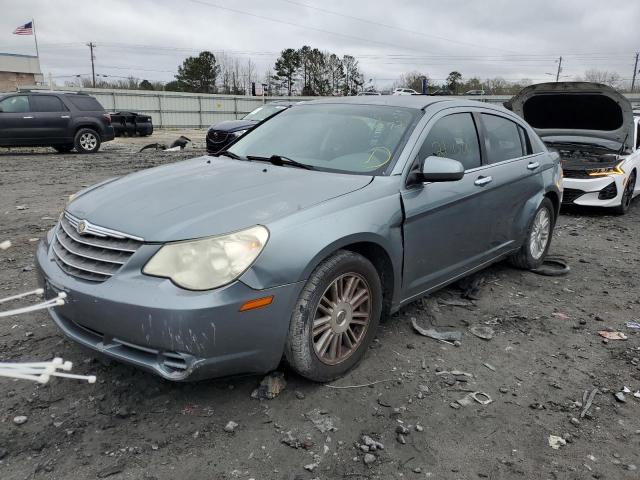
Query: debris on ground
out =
(230, 427)
(178, 144)
(311, 467)
(553, 267)
(371, 444)
(587, 400)
(20, 419)
(481, 331)
(5, 245)
(619, 396)
(556, 442)
(443, 336)
(479, 397)
(455, 373)
(612, 335)
(369, 458)
(471, 287)
(270, 386)
(295, 442)
(632, 325)
(322, 420)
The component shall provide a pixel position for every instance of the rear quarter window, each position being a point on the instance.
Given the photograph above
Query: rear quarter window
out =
(85, 103)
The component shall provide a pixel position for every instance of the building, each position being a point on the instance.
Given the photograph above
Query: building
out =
(19, 71)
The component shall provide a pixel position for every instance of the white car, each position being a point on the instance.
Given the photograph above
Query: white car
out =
(595, 131)
(405, 91)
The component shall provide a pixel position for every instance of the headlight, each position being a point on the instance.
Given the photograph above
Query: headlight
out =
(599, 172)
(239, 133)
(208, 263)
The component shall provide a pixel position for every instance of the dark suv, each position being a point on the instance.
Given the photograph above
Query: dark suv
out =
(62, 120)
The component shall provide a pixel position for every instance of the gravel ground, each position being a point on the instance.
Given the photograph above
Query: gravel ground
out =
(545, 353)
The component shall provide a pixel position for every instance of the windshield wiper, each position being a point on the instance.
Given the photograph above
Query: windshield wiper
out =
(229, 154)
(280, 160)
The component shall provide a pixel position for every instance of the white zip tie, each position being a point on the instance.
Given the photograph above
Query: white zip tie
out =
(33, 308)
(37, 291)
(36, 378)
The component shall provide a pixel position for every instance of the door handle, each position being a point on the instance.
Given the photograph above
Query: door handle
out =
(27, 117)
(482, 181)
(533, 165)
(65, 116)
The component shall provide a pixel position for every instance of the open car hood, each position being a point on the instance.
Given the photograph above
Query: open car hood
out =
(580, 112)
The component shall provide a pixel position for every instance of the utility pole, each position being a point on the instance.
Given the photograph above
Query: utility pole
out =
(635, 71)
(559, 69)
(93, 70)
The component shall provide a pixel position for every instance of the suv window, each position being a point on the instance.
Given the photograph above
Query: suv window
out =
(453, 136)
(46, 103)
(502, 139)
(86, 103)
(17, 104)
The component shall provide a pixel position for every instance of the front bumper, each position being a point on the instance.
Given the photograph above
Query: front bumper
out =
(177, 334)
(594, 192)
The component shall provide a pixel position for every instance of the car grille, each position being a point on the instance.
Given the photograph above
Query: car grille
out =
(571, 194)
(216, 136)
(575, 174)
(95, 255)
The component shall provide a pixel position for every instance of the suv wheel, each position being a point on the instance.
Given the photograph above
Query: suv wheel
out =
(536, 245)
(335, 318)
(86, 141)
(63, 148)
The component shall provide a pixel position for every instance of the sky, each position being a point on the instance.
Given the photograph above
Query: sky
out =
(513, 39)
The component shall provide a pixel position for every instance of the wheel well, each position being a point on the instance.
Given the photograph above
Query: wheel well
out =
(90, 127)
(555, 200)
(380, 259)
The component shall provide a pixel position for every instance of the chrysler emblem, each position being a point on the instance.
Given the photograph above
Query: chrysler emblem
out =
(82, 226)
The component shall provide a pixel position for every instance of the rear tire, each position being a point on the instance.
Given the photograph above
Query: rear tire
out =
(538, 239)
(87, 141)
(335, 318)
(63, 148)
(627, 196)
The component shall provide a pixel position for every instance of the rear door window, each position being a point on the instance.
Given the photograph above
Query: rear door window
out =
(86, 103)
(17, 104)
(46, 103)
(455, 137)
(502, 139)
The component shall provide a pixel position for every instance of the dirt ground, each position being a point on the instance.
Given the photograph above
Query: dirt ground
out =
(544, 355)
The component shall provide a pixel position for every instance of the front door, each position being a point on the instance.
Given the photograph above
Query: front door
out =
(447, 224)
(51, 119)
(16, 121)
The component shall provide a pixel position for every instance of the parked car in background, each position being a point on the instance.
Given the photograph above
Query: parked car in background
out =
(299, 237)
(442, 92)
(405, 91)
(62, 120)
(131, 124)
(593, 128)
(222, 134)
(475, 92)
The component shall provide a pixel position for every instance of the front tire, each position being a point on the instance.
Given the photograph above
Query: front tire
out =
(335, 318)
(536, 245)
(87, 141)
(627, 195)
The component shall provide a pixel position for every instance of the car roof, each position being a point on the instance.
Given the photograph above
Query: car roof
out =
(419, 102)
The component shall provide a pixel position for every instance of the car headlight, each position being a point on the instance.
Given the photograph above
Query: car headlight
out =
(210, 262)
(239, 133)
(599, 172)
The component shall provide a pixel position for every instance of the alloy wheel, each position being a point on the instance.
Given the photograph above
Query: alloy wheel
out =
(540, 233)
(627, 195)
(88, 141)
(341, 318)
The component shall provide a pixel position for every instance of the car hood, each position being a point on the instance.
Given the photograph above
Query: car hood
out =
(232, 125)
(206, 196)
(580, 112)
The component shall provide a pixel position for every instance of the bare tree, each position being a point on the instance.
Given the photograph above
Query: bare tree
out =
(611, 79)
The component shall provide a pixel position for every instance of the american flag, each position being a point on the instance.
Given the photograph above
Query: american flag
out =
(26, 29)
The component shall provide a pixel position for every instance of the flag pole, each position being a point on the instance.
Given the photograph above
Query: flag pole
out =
(35, 37)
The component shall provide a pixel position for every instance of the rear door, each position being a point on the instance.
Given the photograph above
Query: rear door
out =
(16, 121)
(51, 118)
(516, 179)
(447, 224)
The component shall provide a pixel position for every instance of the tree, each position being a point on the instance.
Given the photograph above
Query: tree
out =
(286, 67)
(353, 78)
(199, 74)
(173, 86)
(145, 85)
(611, 79)
(453, 81)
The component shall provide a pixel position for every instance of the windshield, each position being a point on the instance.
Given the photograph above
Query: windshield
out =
(263, 112)
(338, 137)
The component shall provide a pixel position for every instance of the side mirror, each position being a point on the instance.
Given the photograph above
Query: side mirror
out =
(440, 169)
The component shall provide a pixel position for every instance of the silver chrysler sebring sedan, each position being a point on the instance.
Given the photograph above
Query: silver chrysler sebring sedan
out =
(297, 239)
